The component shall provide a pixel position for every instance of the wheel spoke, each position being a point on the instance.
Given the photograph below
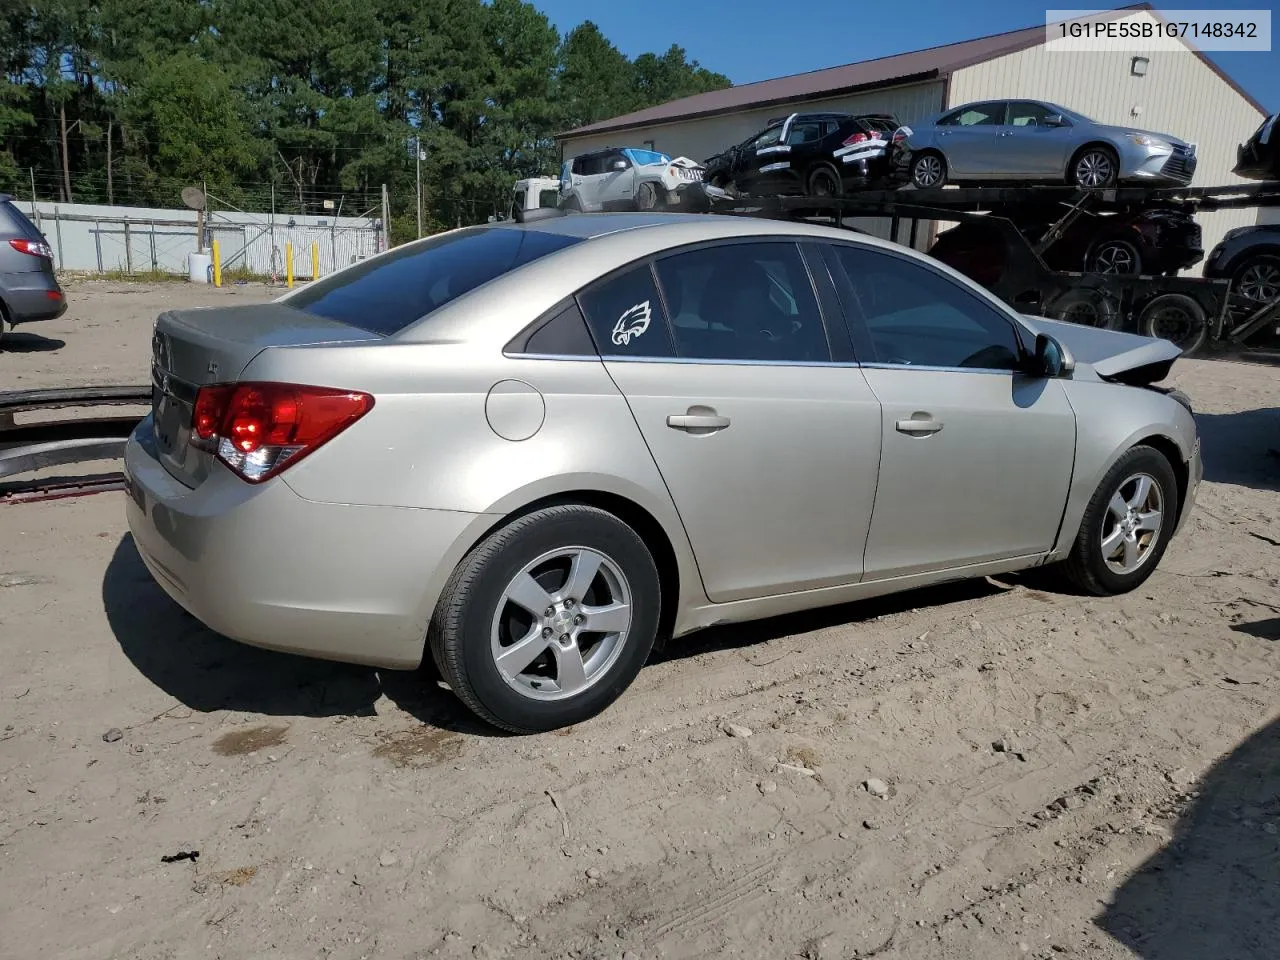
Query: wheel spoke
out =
(571, 672)
(1112, 543)
(614, 618)
(1118, 507)
(1150, 521)
(515, 658)
(1130, 552)
(525, 592)
(586, 564)
(1141, 492)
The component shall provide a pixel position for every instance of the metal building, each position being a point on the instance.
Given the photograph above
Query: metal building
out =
(1168, 88)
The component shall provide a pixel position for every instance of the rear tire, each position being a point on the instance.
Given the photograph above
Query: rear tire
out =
(567, 671)
(929, 170)
(1177, 318)
(1115, 550)
(825, 181)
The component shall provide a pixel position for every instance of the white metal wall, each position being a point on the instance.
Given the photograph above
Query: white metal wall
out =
(1180, 95)
(97, 238)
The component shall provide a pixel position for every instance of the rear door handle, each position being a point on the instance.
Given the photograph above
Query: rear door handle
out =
(697, 421)
(918, 427)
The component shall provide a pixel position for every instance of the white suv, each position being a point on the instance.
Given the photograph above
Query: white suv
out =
(628, 178)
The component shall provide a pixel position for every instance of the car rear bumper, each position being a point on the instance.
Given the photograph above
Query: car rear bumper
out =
(32, 296)
(262, 565)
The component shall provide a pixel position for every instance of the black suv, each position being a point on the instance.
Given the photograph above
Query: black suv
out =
(820, 154)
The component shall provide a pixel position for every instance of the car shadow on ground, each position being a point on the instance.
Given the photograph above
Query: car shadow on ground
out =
(1241, 448)
(1211, 891)
(206, 672)
(29, 343)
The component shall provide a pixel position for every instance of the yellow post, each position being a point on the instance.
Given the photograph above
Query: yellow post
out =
(217, 264)
(288, 265)
(315, 261)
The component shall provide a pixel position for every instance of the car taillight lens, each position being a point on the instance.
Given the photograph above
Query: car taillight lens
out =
(856, 138)
(899, 136)
(33, 248)
(258, 429)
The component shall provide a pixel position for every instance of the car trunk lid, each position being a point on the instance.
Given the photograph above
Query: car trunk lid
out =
(192, 348)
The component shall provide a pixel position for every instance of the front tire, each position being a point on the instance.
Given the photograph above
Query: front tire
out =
(1258, 279)
(549, 619)
(1095, 166)
(1126, 526)
(1114, 257)
(646, 197)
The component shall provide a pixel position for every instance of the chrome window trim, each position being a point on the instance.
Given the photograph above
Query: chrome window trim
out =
(617, 358)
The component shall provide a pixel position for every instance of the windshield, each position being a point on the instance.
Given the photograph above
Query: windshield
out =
(642, 158)
(387, 293)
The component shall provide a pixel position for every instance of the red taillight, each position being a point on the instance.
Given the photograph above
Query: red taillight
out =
(856, 138)
(33, 248)
(258, 429)
(899, 136)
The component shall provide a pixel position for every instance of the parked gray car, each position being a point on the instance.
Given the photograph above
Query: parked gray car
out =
(536, 449)
(29, 287)
(1022, 140)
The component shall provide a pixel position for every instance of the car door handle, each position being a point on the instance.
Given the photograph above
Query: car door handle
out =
(697, 421)
(918, 426)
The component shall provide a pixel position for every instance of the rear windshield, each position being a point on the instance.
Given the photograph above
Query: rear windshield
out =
(386, 294)
(13, 220)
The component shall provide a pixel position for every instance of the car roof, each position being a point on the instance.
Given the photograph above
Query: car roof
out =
(589, 226)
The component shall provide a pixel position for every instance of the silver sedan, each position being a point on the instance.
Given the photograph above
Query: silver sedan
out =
(533, 451)
(1031, 140)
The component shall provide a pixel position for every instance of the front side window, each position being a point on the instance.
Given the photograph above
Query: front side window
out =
(1023, 113)
(743, 301)
(387, 293)
(918, 317)
(626, 317)
(769, 138)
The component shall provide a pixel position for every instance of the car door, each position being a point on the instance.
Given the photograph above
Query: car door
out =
(769, 447)
(968, 137)
(976, 455)
(1029, 146)
(617, 180)
(760, 158)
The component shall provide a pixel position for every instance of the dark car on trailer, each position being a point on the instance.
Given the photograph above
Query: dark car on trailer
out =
(1158, 241)
(1258, 158)
(819, 154)
(29, 289)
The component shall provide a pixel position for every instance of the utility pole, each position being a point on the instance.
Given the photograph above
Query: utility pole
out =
(386, 219)
(417, 149)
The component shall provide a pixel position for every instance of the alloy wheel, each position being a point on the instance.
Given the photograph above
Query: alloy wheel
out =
(1094, 169)
(561, 623)
(1131, 528)
(928, 171)
(1260, 282)
(1115, 258)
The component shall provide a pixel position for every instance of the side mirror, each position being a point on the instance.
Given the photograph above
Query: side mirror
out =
(1055, 120)
(1052, 358)
(619, 164)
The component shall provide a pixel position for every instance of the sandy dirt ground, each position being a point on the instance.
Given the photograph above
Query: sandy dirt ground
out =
(1061, 776)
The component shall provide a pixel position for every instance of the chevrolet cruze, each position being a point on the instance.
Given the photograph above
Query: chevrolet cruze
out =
(537, 449)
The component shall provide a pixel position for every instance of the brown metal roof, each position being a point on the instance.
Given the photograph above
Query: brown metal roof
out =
(933, 63)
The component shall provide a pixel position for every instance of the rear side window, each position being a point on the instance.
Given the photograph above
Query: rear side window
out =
(14, 221)
(626, 316)
(386, 294)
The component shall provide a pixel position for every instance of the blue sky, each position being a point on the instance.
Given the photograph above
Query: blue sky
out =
(758, 39)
